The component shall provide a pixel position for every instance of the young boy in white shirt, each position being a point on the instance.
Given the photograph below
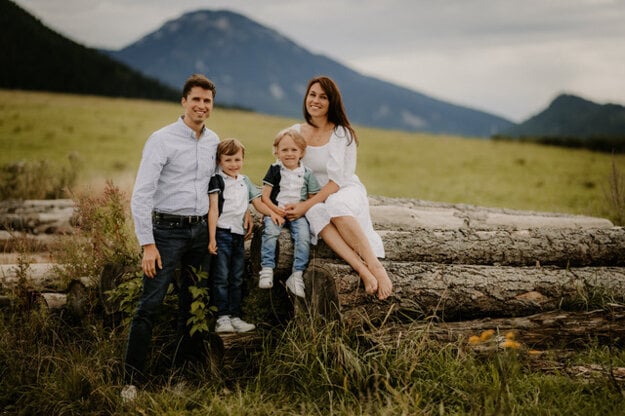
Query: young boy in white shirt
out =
(230, 194)
(287, 181)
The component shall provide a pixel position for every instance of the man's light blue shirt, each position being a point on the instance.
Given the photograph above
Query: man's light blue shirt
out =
(173, 175)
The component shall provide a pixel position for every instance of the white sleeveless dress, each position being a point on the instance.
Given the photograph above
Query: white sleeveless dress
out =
(336, 160)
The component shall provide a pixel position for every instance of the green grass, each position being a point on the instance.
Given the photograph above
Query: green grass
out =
(108, 135)
(301, 369)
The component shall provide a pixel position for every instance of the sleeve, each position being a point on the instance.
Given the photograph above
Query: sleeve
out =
(214, 185)
(152, 162)
(311, 183)
(342, 162)
(271, 177)
(252, 190)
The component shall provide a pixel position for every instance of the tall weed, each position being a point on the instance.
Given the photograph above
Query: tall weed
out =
(103, 234)
(615, 194)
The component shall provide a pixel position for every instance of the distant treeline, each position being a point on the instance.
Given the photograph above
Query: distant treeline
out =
(597, 144)
(36, 58)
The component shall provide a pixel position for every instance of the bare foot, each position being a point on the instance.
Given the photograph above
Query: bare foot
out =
(384, 284)
(369, 280)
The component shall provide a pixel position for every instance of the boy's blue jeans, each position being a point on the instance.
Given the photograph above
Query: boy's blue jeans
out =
(300, 234)
(180, 246)
(227, 269)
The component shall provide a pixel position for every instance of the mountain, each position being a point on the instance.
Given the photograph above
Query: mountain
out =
(569, 116)
(37, 58)
(257, 68)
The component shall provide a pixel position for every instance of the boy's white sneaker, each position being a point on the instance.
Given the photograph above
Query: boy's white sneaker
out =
(295, 283)
(240, 325)
(265, 278)
(224, 324)
(129, 393)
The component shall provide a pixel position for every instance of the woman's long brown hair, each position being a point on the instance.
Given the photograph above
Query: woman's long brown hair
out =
(336, 109)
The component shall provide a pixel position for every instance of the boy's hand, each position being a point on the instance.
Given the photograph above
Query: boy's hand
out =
(294, 211)
(277, 219)
(212, 247)
(248, 224)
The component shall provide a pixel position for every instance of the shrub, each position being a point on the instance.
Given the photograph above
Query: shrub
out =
(38, 179)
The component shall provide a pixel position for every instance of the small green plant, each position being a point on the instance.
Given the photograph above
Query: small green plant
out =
(125, 296)
(198, 321)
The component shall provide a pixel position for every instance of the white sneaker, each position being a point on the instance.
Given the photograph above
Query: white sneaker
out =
(129, 393)
(265, 278)
(240, 325)
(224, 324)
(295, 283)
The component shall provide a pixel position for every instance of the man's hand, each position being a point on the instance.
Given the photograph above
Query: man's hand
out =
(151, 260)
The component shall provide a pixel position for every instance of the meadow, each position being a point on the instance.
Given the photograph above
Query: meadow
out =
(106, 135)
(51, 364)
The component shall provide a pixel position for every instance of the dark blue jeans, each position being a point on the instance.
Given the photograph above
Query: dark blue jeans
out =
(227, 269)
(180, 246)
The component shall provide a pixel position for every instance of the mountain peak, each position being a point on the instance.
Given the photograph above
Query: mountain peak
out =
(256, 67)
(570, 116)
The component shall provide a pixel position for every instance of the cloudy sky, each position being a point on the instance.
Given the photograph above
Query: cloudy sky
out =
(507, 57)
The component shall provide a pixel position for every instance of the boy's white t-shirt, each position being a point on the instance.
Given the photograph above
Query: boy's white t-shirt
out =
(238, 193)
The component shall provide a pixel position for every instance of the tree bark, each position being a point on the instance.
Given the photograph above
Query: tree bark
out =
(459, 292)
(556, 329)
(559, 247)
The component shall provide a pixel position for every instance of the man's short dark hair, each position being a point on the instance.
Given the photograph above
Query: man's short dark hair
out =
(198, 80)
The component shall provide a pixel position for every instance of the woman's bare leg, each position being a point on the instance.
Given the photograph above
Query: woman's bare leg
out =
(354, 236)
(335, 241)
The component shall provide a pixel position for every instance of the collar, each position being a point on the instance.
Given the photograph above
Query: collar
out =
(228, 177)
(298, 169)
(188, 130)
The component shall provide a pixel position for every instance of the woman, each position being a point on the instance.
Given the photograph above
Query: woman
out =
(339, 213)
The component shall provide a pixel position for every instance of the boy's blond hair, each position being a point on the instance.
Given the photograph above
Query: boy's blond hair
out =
(229, 147)
(298, 139)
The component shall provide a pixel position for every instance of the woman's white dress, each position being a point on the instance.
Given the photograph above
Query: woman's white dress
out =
(336, 161)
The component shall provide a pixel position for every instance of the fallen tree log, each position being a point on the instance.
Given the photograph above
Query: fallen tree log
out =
(460, 292)
(559, 247)
(556, 329)
(39, 276)
(37, 216)
(412, 230)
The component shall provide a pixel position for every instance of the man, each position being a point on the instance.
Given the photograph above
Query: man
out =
(169, 208)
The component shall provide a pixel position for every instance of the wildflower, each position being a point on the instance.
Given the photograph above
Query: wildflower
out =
(510, 344)
(486, 335)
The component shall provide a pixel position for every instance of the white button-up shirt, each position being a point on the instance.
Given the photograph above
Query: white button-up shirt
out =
(173, 175)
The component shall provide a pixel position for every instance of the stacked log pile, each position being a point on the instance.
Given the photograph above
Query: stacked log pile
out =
(460, 262)
(448, 263)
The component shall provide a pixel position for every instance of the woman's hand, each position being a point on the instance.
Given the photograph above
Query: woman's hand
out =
(295, 211)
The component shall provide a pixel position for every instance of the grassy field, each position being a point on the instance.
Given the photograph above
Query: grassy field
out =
(108, 135)
(49, 365)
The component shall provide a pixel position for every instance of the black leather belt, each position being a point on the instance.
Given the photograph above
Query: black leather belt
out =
(178, 219)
